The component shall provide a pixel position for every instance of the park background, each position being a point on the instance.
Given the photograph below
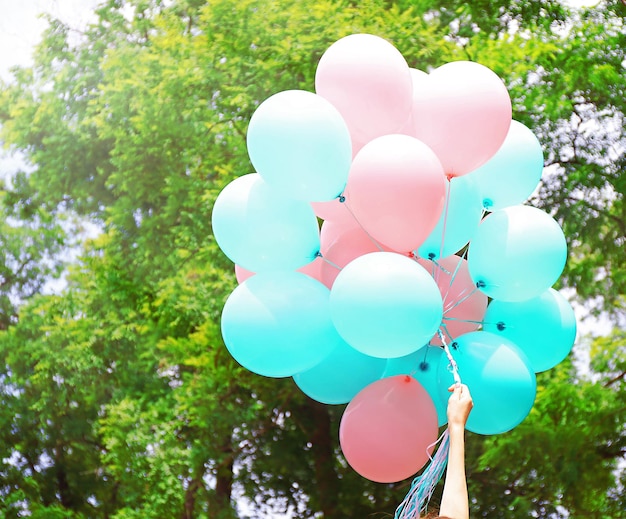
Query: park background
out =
(118, 396)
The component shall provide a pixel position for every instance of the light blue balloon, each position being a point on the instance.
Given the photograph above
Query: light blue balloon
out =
(458, 221)
(262, 231)
(514, 172)
(340, 376)
(385, 305)
(544, 327)
(278, 324)
(299, 143)
(423, 366)
(517, 253)
(502, 383)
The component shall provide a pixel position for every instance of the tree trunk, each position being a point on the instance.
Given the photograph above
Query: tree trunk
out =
(323, 454)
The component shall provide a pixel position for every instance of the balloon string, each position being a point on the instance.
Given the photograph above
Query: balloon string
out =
(423, 486)
(342, 199)
(452, 278)
(453, 364)
(459, 301)
(445, 222)
(331, 263)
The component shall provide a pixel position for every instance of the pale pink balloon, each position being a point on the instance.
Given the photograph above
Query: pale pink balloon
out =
(464, 306)
(242, 274)
(332, 229)
(346, 247)
(388, 429)
(368, 80)
(334, 210)
(417, 76)
(463, 112)
(396, 190)
(312, 269)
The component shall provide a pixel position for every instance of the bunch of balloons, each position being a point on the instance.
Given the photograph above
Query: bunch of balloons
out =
(425, 246)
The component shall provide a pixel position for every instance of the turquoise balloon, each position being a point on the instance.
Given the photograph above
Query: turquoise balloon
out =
(340, 376)
(514, 172)
(278, 324)
(423, 366)
(458, 221)
(517, 253)
(544, 327)
(299, 143)
(262, 231)
(498, 375)
(385, 305)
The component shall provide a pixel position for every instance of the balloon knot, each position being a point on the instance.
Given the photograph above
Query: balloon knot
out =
(487, 203)
(411, 254)
(424, 366)
(318, 254)
(342, 199)
(481, 284)
(431, 256)
(407, 378)
(501, 326)
(454, 345)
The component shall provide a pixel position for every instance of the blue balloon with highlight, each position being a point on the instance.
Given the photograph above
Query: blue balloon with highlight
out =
(262, 231)
(544, 327)
(299, 143)
(499, 375)
(340, 376)
(278, 324)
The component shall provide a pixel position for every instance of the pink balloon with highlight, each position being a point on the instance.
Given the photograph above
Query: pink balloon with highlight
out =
(464, 306)
(463, 112)
(396, 191)
(334, 210)
(332, 229)
(368, 80)
(346, 247)
(388, 429)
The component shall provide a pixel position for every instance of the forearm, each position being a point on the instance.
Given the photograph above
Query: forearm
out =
(454, 502)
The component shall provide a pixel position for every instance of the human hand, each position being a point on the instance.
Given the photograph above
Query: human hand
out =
(460, 404)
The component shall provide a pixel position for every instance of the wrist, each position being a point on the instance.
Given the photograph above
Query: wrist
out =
(456, 427)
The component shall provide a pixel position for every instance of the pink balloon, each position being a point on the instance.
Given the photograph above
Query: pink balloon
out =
(331, 230)
(332, 210)
(462, 302)
(387, 429)
(346, 247)
(368, 80)
(242, 274)
(312, 270)
(417, 76)
(396, 191)
(463, 112)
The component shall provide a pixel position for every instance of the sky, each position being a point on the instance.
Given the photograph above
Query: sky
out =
(21, 26)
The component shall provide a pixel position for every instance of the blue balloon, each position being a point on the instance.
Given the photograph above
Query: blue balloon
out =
(262, 231)
(299, 143)
(385, 305)
(543, 327)
(340, 376)
(498, 375)
(517, 253)
(513, 173)
(423, 366)
(278, 324)
(458, 221)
